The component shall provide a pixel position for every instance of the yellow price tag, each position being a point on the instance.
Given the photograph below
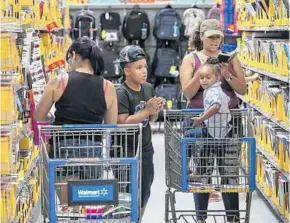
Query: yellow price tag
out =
(104, 34)
(172, 69)
(169, 104)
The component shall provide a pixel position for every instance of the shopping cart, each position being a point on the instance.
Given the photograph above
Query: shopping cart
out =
(91, 173)
(206, 159)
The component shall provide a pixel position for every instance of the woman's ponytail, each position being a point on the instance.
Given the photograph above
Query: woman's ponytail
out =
(197, 42)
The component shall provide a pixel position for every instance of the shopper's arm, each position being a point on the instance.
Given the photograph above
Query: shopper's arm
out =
(111, 115)
(41, 112)
(133, 119)
(151, 108)
(189, 81)
(207, 114)
(238, 82)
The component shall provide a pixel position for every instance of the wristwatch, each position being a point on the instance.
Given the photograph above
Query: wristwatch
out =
(230, 78)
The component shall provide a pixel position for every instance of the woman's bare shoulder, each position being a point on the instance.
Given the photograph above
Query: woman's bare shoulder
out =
(188, 57)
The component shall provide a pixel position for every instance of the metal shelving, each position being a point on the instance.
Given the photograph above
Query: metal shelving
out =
(265, 154)
(265, 29)
(269, 74)
(130, 5)
(273, 206)
(271, 117)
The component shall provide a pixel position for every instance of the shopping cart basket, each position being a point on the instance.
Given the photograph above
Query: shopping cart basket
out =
(216, 156)
(91, 173)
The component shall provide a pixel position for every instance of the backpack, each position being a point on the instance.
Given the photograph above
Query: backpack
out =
(136, 25)
(170, 92)
(85, 25)
(191, 19)
(110, 24)
(215, 12)
(167, 24)
(110, 54)
(165, 63)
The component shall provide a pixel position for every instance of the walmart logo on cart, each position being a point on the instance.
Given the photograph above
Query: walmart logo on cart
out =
(94, 193)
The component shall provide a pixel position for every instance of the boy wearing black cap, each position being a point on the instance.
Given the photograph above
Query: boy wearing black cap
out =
(137, 104)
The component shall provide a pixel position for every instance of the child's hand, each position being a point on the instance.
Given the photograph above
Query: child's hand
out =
(256, 76)
(161, 103)
(152, 105)
(197, 121)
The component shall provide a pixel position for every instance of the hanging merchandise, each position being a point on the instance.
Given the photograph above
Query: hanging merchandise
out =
(136, 25)
(228, 16)
(85, 25)
(170, 92)
(167, 25)
(18, 155)
(110, 54)
(110, 24)
(191, 19)
(166, 63)
(215, 12)
(71, 26)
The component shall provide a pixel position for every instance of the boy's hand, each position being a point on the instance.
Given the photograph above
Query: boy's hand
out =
(197, 121)
(161, 103)
(152, 105)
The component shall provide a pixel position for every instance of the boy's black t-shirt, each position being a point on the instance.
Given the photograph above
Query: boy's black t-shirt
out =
(140, 103)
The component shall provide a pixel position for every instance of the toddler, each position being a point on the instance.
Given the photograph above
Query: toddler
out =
(216, 116)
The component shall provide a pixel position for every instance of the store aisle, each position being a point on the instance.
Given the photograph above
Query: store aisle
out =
(260, 213)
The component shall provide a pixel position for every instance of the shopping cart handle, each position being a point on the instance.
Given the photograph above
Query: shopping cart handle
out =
(193, 110)
(90, 126)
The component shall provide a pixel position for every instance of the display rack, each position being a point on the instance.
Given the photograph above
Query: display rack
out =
(265, 50)
(201, 4)
(32, 46)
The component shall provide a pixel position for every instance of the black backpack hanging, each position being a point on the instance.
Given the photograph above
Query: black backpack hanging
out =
(167, 25)
(110, 25)
(136, 25)
(165, 63)
(85, 25)
(110, 54)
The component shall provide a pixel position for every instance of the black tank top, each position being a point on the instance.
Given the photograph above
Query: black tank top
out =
(83, 100)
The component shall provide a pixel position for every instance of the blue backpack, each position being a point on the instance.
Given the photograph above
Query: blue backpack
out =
(167, 24)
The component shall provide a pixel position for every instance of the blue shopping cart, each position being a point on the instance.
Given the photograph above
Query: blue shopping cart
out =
(91, 173)
(205, 159)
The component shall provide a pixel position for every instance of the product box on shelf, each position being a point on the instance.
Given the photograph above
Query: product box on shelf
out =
(262, 14)
(283, 188)
(272, 97)
(285, 154)
(271, 55)
(273, 184)
(7, 202)
(10, 60)
(6, 154)
(8, 107)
